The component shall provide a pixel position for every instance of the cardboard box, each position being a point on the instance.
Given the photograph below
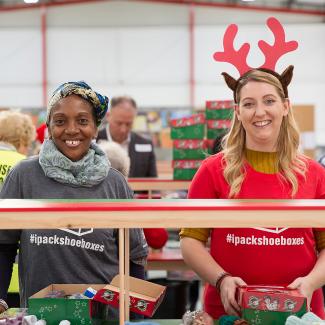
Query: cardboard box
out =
(270, 304)
(192, 127)
(53, 310)
(305, 118)
(145, 297)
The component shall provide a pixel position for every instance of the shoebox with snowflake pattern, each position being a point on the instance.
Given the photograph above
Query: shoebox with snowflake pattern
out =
(219, 109)
(192, 127)
(190, 149)
(185, 169)
(145, 297)
(57, 302)
(267, 305)
(217, 128)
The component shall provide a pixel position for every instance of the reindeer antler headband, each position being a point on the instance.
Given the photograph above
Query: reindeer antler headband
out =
(272, 54)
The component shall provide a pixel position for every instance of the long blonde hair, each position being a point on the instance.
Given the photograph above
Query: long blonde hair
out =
(289, 161)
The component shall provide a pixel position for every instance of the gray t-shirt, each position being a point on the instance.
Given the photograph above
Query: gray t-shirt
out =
(65, 255)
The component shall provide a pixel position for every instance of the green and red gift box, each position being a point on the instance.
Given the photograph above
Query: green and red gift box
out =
(185, 169)
(217, 128)
(270, 305)
(189, 149)
(192, 127)
(219, 109)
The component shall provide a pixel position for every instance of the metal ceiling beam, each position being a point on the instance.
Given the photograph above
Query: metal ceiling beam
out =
(288, 6)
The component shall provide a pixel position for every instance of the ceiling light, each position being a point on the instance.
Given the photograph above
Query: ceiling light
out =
(30, 1)
(247, 0)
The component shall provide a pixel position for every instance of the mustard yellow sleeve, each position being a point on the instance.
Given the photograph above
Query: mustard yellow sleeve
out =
(319, 239)
(201, 234)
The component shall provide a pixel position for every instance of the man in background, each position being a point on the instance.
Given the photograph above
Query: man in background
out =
(119, 129)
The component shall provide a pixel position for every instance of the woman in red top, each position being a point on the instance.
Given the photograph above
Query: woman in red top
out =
(260, 160)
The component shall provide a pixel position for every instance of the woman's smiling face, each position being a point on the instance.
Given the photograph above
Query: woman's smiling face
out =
(72, 126)
(261, 111)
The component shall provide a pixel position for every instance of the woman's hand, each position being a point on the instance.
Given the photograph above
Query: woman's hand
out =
(203, 319)
(304, 286)
(227, 293)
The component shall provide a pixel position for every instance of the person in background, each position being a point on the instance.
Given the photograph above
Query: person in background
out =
(117, 157)
(260, 160)
(17, 132)
(156, 237)
(217, 144)
(119, 129)
(70, 166)
(322, 160)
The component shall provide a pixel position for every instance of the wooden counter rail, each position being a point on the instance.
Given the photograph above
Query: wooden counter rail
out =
(157, 184)
(125, 214)
(47, 214)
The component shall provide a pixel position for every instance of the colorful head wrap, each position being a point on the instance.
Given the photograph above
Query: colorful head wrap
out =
(82, 89)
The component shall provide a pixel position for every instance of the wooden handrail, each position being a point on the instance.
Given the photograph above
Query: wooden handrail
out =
(124, 214)
(49, 214)
(157, 184)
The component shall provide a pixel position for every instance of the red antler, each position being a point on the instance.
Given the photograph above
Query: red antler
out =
(280, 47)
(272, 53)
(237, 58)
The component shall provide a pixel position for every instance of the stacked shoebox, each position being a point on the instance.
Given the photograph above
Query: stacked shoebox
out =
(218, 115)
(189, 148)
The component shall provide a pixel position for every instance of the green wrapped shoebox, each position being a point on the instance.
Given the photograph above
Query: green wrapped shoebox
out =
(219, 110)
(215, 133)
(192, 127)
(184, 174)
(268, 305)
(185, 169)
(189, 149)
(217, 128)
(179, 154)
(53, 310)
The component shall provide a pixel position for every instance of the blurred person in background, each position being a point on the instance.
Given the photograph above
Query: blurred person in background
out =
(117, 157)
(120, 120)
(322, 160)
(70, 166)
(17, 132)
(156, 237)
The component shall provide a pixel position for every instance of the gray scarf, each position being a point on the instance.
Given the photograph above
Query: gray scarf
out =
(87, 172)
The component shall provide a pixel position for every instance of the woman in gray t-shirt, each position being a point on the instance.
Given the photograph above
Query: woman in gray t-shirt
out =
(70, 166)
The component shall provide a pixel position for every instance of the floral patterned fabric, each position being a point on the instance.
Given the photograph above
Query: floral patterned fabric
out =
(82, 89)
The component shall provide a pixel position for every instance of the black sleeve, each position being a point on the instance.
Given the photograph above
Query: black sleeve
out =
(152, 164)
(137, 271)
(7, 258)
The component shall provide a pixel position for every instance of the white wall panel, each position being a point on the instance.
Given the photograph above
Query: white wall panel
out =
(20, 69)
(142, 49)
(122, 58)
